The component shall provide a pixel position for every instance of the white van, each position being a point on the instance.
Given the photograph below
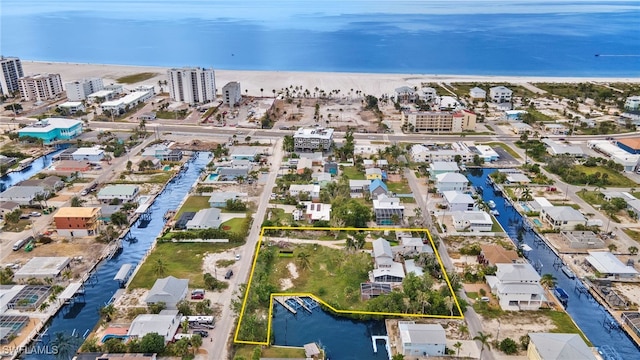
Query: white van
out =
(182, 336)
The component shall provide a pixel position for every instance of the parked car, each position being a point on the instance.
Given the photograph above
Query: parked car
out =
(197, 294)
(84, 192)
(202, 333)
(35, 214)
(237, 257)
(229, 274)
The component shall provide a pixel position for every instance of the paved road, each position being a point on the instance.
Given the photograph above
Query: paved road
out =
(473, 320)
(223, 333)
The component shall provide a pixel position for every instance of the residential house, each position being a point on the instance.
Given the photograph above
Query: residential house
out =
(388, 210)
(125, 193)
(518, 178)
(373, 173)
(517, 287)
(245, 152)
(521, 128)
(411, 246)
(368, 163)
(77, 221)
(386, 270)
(165, 324)
(8, 206)
(556, 129)
(491, 254)
(472, 220)
(406, 94)
(52, 129)
(486, 153)
(242, 164)
(93, 154)
(71, 166)
(311, 189)
(421, 340)
(477, 93)
(442, 167)
(500, 94)
(451, 182)
(219, 199)
(205, 219)
(357, 188)
(313, 139)
(562, 217)
(331, 168)
(377, 187)
(156, 164)
(106, 211)
(382, 163)
(427, 94)
(51, 183)
(168, 290)
(318, 212)
(23, 195)
(610, 266)
(316, 157)
(457, 201)
(303, 164)
(71, 107)
(322, 179)
(163, 153)
(557, 346)
(226, 173)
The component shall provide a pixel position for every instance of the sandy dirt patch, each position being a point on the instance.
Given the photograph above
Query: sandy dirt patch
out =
(293, 269)
(287, 282)
(210, 260)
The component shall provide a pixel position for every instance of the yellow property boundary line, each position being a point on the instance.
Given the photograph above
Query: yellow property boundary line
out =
(337, 311)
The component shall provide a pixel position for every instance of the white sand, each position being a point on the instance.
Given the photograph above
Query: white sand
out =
(253, 81)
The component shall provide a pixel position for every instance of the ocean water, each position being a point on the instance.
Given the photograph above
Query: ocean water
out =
(524, 37)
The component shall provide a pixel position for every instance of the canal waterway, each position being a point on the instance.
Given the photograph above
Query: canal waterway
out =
(583, 308)
(340, 337)
(80, 317)
(38, 164)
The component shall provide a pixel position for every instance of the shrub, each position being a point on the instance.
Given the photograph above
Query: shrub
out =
(508, 346)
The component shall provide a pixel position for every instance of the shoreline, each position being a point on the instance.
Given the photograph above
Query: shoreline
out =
(254, 80)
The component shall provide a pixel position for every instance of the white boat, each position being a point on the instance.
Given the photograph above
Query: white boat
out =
(494, 212)
(491, 204)
(568, 272)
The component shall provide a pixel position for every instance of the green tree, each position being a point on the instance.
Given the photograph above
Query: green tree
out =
(155, 308)
(457, 345)
(354, 213)
(508, 346)
(160, 268)
(484, 341)
(257, 353)
(184, 307)
(632, 250)
(119, 218)
(114, 345)
(397, 357)
(548, 281)
(108, 312)
(76, 202)
(13, 217)
(6, 276)
(303, 260)
(196, 342)
(65, 344)
(129, 165)
(152, 343)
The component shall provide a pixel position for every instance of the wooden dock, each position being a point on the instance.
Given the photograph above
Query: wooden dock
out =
(282, 300)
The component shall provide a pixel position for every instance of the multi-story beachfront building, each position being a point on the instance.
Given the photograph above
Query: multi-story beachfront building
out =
(79, 90)
(11, 72)
(312, 139)
(439, 121)
(231, 93)
(192, 85)
(632, 103)
(40, 87)
(500, 94)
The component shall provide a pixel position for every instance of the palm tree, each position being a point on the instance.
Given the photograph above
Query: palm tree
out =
(159, 267)
(108, 312)
(632, 250)
(548, 281)
(484, 341)
(464, 330)
(526, 194)
(457, 345)
(76, 202)
(303, 260)
(196, 342)
(65, 344)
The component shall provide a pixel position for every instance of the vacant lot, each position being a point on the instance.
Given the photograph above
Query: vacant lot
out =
(136, 78)
(193, 204)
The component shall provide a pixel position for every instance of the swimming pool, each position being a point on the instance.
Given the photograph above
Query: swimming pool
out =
(213, 177)
(167, 168)
(537, 222)
(526, 207)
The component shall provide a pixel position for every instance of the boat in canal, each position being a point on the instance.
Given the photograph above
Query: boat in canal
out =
(492, 204)
(561, 295)
(494, 212)
(568, 272)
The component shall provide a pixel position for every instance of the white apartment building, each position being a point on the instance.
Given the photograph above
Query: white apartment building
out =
(231, 93)
(477, 93)
(632, 103)
(439, 121)
(126, 103)
(192, 85)
(79, 90)
(500, 94)
(314, 139)
(423, 153)
(40, 87)
(11, 72)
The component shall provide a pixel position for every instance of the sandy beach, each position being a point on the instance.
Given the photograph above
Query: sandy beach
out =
(253, 81)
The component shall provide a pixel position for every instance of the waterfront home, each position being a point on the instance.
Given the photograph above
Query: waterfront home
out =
(318, 212)
(165, 324)
(377, 187)
(50, 183)
(23, 195)
(357, 188)
(487, 153)
(322, 179)
(386, 270)
(373, 173)
(442, 167)
(491, 254)
(388, 210)
(474, 221)
(42, 268)
(562, 217)
(152, 163)
(451, 181)
(405, 94)
(441, 152)
(52, 129)
(106, 211)
(168, 290)
(8, 206)
(205, 219)
(477, 93)
(582, 240)
(232, 174)
(123, 192)
(608, 265)
(517, 287)
(518, 178)
(427, 93)
(77, 221)
(457, 201)
(500, 94)
(163, 152)
(555, 346)
(71, 166)
(411, 246)
(93, 154)
(421, 340)
(219, 199)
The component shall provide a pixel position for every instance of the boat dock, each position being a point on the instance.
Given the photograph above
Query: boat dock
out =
(385, 338)
(295, 303)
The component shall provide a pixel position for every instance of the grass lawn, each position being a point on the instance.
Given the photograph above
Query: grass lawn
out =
(496, 225)
(136, 78)
(281, 217)
(246, 351)
(506, 148)
(193, 204)
(615, 179)
(407, 200)
(591, 197)
(182, 260)
(563, 323)
(472, 295)
(564, 203)
(635, 235)
(399, 187)
(352, 173)
(487, 310)
(17, 227)
(235, 225)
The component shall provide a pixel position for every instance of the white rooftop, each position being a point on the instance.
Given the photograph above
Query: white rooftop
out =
(70, 104)
(606, 263)
(46, 125)
(315, 133)
(451, 177)
(456, 197)
(449, 166)
(422, 333)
